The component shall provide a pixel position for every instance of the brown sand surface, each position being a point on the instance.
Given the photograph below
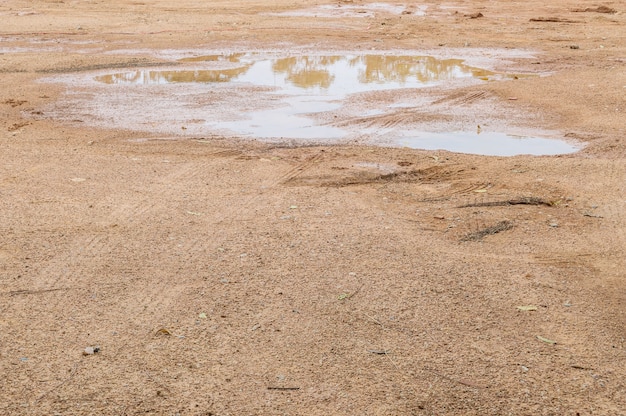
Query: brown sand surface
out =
(225, 276)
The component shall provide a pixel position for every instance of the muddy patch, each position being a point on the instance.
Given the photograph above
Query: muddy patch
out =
(325, 98)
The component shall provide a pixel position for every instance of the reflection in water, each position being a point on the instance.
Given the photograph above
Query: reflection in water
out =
(302, 86)
(307, 71)
(425, 69)
(169, 77)
(323, 72)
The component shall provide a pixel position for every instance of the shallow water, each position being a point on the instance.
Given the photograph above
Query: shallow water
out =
(334, 74)
(296, 90)
(486, 143)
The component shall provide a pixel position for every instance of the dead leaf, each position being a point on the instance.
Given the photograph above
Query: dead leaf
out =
(163, 331)
(546, 340)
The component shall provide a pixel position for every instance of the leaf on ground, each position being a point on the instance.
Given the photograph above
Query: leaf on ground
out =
(527, 308)
(546, 340)
(343, 296)
(202, 315)
(163, 331)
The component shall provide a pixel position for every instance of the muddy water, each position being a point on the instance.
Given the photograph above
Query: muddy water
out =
(345, 74)
(294, 97)
(307, 85)
(486, 143)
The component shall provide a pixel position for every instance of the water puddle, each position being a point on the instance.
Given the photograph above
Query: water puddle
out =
(345, 74)
(487, 143)
(298, 97)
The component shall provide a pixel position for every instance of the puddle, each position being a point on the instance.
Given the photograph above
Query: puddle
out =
(306, 85)
(147, 77)
(487, 143)
(297, 98)
(345, 74)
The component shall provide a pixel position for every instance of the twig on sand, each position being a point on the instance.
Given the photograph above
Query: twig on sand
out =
(284, 388)
(516, 201)
(494, 229)
(35, 292)
(374, 319)
(462, 382)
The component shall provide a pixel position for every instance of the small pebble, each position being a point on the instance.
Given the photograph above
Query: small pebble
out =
(91, 350)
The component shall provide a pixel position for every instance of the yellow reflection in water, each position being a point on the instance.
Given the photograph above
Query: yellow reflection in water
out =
(307, 71)
(317, 71)
(382, 68)
(167, 77)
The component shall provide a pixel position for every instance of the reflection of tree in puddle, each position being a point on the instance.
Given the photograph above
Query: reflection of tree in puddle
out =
(317, 71)
(307, 71)
(314, 71)
(167, 77)
(381, 69)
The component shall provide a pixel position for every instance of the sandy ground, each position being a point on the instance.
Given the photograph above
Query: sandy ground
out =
(219, 276)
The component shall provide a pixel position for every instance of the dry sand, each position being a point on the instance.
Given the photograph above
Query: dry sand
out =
(220, 276)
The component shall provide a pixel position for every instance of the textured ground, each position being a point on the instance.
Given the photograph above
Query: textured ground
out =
(228, 277)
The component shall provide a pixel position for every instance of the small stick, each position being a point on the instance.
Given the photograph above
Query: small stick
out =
(392, 361)
(463, 382)
(284, 388)
(374, 319)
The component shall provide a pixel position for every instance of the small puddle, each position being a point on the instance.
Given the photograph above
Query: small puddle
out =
(487, 143)
(299, 97)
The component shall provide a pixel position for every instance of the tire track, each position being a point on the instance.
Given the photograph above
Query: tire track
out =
(462, 98)
(297, 170)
